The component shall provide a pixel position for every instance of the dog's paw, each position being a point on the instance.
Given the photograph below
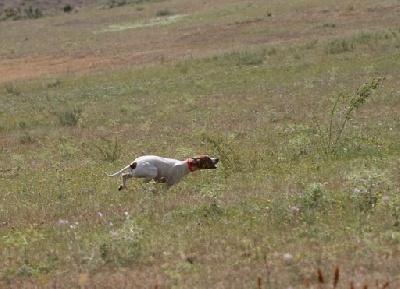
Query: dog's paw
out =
(120, 187)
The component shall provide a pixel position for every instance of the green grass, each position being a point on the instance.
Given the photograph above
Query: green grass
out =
(279, 206)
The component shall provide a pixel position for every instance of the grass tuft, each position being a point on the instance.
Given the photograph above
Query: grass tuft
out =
(69, 115)
(11, 88)
(104, 149)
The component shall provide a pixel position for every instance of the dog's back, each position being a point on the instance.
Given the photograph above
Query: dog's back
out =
(166, 167)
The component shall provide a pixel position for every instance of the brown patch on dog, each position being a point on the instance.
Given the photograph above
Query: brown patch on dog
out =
(133, 165)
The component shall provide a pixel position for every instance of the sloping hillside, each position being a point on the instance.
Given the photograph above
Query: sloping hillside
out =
(155, 32)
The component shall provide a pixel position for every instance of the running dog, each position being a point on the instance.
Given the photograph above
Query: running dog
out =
(163, 170)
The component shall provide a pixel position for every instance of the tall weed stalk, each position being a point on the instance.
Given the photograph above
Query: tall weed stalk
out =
(341, 112)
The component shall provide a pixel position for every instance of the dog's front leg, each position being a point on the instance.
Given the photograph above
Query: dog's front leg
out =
(124, 178)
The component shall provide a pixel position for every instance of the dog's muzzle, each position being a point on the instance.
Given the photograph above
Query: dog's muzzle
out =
(214, 162)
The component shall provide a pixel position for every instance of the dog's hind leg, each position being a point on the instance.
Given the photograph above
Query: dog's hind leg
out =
(124, 178)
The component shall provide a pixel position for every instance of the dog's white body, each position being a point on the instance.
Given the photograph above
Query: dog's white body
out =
(163, 170)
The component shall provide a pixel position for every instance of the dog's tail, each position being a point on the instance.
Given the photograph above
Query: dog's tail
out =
(118, 173)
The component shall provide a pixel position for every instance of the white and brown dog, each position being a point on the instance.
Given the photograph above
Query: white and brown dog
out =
(164, 170)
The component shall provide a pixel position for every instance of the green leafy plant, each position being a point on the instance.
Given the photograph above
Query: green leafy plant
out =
(312, 197)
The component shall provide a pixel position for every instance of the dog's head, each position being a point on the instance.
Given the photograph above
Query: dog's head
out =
(203, 162)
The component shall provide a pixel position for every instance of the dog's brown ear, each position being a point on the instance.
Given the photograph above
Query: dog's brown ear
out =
(133, 165)
(201, 156)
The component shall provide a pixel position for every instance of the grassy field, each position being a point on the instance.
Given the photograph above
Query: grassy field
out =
(300, 100)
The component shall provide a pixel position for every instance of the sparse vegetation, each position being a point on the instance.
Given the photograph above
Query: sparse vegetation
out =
(33, 13)
(339, 46)
(11, 88)
(306, 194)
(119, 3)
(163, 12)
(116, 3)
(103, 149)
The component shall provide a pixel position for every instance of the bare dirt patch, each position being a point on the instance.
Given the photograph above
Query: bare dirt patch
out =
(48, 66)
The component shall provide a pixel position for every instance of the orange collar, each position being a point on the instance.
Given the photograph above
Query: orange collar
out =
(189, 164)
